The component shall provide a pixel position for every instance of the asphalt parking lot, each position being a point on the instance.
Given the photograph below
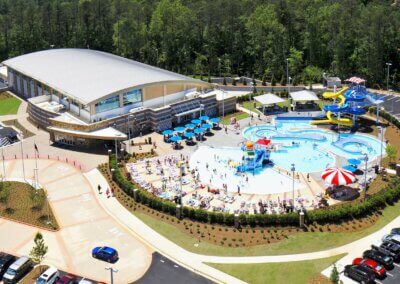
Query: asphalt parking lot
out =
(391, 104)
(393, 276)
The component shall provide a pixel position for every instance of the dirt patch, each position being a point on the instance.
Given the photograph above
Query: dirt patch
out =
(33, 275)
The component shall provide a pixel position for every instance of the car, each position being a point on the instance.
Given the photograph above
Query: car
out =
(50, 276)
(391, 238)
(105, 253)
(378, 269)
(395, 231)
(388, 248)
(67, 279)
(17, 270)
(5, 261)
(379, 257)
(86, 281)
(359, 273)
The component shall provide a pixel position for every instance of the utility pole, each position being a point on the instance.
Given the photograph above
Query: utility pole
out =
(112, 271)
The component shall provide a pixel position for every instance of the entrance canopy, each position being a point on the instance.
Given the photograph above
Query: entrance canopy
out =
(304, 96)
(269, 99)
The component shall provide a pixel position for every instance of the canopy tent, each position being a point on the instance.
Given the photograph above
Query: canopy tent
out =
(268, 99)
(304, 95)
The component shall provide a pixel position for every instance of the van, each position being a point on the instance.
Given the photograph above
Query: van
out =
(50, 276)
(17, 270)
(5, 261)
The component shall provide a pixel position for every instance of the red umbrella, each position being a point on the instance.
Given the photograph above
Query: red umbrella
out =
(263, 142)
(337, 176)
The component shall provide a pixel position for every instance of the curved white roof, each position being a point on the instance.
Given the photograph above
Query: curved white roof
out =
(89, 75)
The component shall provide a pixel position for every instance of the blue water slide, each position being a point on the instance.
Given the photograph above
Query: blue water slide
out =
(336, 108)
(356, 110)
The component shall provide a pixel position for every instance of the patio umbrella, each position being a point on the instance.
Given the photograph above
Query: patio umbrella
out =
(179, 129)
(215, 120)
(199, 130)
(190, 126)
(196, 121)
(175, 139)
(204, 118)
(337, 176)
(350, 168)
(206, 126)
(167, 132)
(354, 162)
(189, 134)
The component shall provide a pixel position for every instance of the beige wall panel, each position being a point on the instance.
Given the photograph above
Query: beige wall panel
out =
(152, 92)
(172, 89)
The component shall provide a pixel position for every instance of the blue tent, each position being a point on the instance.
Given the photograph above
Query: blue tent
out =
(189, 134)
(354, 162)
(215, 120)
(175, 138)
(350, 168)
(199, 130)
(206, 126)
(179, 129)
(204, 118)
(196, 121)
(190, 126)
(167, 132)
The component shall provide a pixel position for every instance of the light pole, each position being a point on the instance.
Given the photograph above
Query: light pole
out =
(223, 103)
(365, 175)
(287, 72)
(22, 156)
(293, 169)
(116, 151)
(381, 133)
(387, 77)
(182, 169)
(156, 56)
(129, 134)
(112, 271)
(219, 67)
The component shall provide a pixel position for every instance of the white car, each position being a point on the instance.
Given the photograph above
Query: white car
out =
(50, 276)
(85, 281)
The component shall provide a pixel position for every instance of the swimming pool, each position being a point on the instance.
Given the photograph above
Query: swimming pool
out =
(312, 149)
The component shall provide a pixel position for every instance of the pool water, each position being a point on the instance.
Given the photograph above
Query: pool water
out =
(312, 149)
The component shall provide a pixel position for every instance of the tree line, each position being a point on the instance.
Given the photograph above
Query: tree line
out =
(218, 37)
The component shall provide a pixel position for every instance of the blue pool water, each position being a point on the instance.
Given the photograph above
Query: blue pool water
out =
(312, 149)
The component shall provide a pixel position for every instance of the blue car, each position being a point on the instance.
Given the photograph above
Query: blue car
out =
(105, 253)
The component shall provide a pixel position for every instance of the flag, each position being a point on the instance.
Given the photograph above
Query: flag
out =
(36, 148)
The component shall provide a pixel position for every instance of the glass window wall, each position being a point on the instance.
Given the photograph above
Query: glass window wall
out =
(132, 97)
(107, 104)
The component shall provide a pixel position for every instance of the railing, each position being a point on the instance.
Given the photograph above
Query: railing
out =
(78, 165)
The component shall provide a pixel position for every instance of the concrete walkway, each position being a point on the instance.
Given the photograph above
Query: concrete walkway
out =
(195, 261)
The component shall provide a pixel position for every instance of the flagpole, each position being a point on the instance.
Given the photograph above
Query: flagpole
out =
(36, 169)
(22, 156)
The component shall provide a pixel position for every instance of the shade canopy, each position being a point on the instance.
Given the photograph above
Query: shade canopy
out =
(179, 129)
(199, 130)
(215, 120)
(175, 138)
(304, 96)
(189, 134)
(354, 162)
(206, 126)
(167, 132)
(350, 168)
(355, 80)
(196, 121)
(336, 176)
(269, 99)
(204, 118)
(190, 126)
(263, 142)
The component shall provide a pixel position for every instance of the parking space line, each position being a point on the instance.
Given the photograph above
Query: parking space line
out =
(377, 281)
(387, 273)
(398, 265)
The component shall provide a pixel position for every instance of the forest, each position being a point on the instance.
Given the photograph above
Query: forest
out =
(219, 37)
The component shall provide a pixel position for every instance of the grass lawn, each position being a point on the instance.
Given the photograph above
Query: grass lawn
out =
(290, 272)
(250, 106)
(20, 206)
(8, 104)
(297, 243)
(239, 115)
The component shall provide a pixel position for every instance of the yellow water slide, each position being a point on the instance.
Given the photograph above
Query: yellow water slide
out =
(332, 95)
(333, 120)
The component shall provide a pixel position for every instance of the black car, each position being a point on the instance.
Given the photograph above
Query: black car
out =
(5, 261)
(359, 273)
(379, 257)
(389, 248)
(395, 231)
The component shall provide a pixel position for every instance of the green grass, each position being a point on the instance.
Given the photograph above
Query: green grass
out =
(239, 115)
(250, 106)
(290, 272)
(297, 243)
(8, 104)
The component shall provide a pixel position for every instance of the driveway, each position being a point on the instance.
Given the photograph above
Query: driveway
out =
(84, 225)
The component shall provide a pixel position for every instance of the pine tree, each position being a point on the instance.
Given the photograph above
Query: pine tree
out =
(39, 250)
(224, 81)
(264, 80)
(283, 81)
(334, 277)
(273, 80)
(209, 78)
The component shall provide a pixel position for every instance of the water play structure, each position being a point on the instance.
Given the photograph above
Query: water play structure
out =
(352, 101)
(255, 155)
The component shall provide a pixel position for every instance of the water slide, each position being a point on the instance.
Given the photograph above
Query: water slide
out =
(252, 164)
(332, 95)
(332, 120)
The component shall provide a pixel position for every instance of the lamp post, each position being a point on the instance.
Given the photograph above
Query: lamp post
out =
(129, 134)
(219, 67)
(289, 79)
(109, 155)
(387, 76)
(112, 271)
(365, 175)
(22, 155)
(293, 169)
(223, 103)
(381, 133)
(287, 72)
(182, 169)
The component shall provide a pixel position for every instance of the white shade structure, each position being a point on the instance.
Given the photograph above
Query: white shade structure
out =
(304, 95)
(268, 99)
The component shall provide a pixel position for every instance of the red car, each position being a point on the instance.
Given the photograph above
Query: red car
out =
(375, 267)
(67, 279)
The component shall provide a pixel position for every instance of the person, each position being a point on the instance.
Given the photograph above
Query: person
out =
(308, 177)
(226, 129)
(112, 192)
(107, 193)
(99, 188)
(238, 190)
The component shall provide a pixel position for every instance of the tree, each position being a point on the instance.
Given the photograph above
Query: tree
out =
(39, 249)
(334, 277)
(224, 81)
(273, 80)
(264, 80)
(391, 152)
(38, 197)
(4, 193)
(283, 81)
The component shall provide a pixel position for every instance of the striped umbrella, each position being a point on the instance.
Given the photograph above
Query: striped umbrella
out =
(337, 176)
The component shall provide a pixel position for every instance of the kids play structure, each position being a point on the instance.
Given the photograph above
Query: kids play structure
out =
(255, 155)
(352, 101)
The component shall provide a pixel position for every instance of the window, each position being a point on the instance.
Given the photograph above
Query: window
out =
(132, 97)
(107, 104)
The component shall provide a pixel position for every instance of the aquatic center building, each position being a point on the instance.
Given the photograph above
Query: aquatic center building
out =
(80, 95)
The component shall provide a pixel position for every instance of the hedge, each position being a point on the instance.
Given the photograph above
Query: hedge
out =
(332, 214)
